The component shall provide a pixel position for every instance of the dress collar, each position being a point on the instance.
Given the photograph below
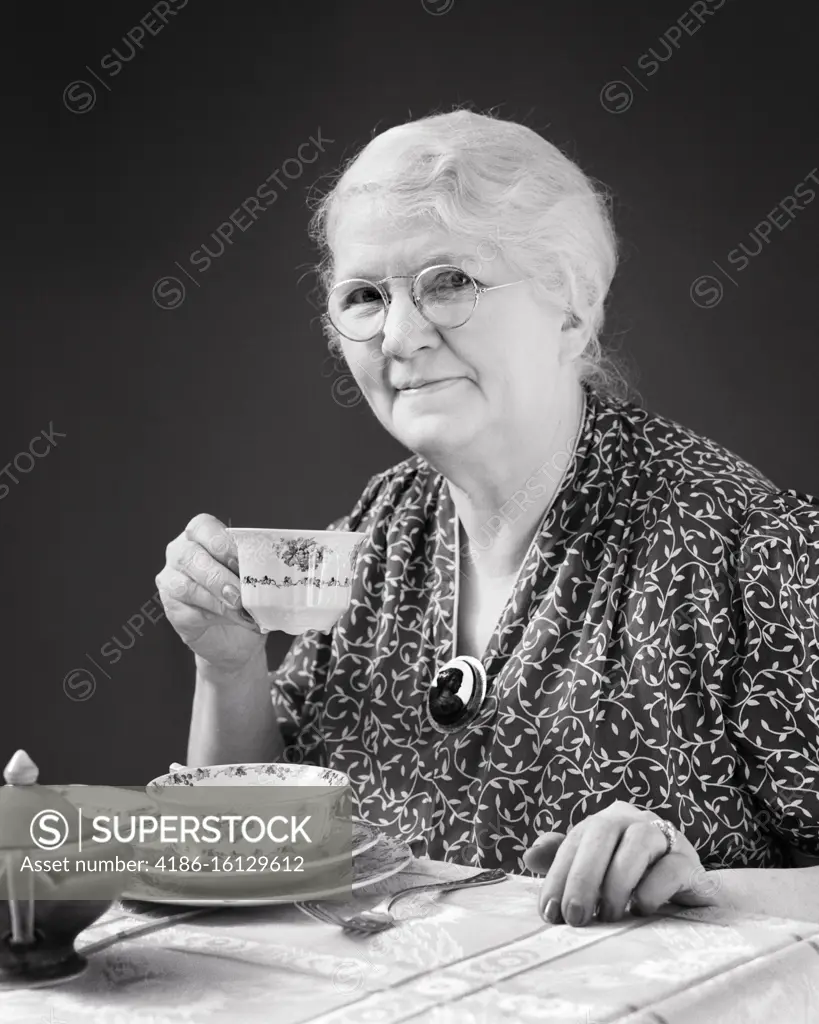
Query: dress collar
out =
(546, 552)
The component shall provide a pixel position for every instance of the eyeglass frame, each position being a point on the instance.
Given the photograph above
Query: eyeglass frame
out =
(480, 289)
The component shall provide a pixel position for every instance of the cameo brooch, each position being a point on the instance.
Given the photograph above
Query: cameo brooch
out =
(457, 694)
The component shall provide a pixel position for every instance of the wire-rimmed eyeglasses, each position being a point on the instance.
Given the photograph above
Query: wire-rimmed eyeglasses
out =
(444, 295)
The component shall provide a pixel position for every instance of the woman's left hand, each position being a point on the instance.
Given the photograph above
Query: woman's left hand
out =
(612, 857)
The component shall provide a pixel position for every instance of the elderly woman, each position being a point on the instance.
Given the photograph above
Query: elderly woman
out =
(583, 639)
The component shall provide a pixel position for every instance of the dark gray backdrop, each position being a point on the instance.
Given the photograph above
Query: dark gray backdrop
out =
(701, 119)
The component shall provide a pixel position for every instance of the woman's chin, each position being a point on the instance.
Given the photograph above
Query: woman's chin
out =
(432, 433)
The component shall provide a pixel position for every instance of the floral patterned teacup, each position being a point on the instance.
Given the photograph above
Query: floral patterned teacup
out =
(297, 791)
(295, 580)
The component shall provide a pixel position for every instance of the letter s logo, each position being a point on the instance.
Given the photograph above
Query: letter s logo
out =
(48, 829)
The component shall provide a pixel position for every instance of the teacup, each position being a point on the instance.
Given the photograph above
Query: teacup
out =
(304, 789)
(296, 580)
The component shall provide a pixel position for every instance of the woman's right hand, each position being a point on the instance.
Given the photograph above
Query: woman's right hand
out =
(199, 589)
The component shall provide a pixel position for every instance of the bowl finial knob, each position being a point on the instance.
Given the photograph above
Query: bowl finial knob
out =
(21, 770)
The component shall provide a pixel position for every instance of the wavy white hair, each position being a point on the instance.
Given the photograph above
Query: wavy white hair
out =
(507, 188)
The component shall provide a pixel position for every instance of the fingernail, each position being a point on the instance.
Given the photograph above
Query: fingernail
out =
(231, 594)
(552, 913)
(247, 616)
(575, 914)
(233, 565)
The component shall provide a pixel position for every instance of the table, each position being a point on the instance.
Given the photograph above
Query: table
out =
(470, 957)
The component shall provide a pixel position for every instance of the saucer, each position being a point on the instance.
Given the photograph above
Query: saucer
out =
(381, 858)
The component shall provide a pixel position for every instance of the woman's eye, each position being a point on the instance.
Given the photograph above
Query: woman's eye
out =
(449, 282)
(362, 296)
(453, 279)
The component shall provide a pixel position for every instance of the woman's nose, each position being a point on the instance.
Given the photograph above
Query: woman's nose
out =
(405, 330)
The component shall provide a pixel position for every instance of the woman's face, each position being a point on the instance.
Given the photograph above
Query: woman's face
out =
(443, 391)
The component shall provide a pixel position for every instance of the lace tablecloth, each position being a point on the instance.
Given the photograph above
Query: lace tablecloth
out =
(469, 957)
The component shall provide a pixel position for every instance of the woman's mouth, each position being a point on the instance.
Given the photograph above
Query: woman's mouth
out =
(429, 387)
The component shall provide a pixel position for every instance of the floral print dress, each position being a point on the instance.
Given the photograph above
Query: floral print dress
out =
(661, 646)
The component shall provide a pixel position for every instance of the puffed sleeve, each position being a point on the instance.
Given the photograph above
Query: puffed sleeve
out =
(307, 661)
(774, 713)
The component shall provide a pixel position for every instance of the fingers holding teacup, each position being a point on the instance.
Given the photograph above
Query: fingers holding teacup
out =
(215, 538)
(202, 602)
(179, 589)
(199, 575)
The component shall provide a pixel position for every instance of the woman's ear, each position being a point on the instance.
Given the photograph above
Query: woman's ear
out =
(574, 339)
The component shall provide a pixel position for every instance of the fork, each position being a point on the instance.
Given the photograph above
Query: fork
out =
(379, 918)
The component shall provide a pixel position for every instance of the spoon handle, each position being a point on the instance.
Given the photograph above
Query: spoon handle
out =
(488, 877)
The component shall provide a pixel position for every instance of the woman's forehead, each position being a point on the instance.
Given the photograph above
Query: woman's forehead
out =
(374, 245)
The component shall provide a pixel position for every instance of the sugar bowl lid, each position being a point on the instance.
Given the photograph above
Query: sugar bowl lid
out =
(21, 799)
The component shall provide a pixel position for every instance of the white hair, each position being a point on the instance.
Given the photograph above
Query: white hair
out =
(507, 188)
